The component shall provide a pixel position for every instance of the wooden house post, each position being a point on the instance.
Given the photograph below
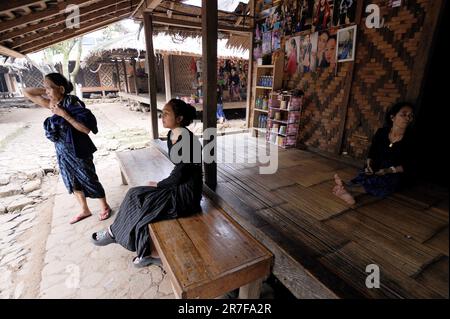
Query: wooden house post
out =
(150, 56)
(167, 82)
(125, 75)
(209, 61)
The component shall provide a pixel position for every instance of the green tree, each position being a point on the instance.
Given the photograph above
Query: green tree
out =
(65, 48)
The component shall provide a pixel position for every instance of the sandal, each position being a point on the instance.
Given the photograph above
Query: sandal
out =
(140, 262)
(78, 218)
(102, 238)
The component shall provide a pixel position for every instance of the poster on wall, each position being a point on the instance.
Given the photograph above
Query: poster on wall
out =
(267, 43)
(395, 3)
(308, 51)
(322, 14)
(267, 13)
(346, 40)
(276, 40)
(344, 12)
(304, 17)
(326, 49)
(292, 46)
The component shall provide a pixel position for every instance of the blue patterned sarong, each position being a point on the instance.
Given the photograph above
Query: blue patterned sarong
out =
(74, 149)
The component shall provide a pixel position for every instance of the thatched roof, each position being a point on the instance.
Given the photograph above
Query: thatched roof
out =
(130, 46)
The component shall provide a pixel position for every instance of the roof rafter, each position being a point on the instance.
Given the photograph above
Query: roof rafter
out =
(197, 25)
(50, 32)
(36, 16)
(8, 52)
(13, 5)
(100, 23)
(60, 19)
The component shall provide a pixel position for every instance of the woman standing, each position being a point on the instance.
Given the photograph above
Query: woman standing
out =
(388, 166)
(177, 195)
(68, 128)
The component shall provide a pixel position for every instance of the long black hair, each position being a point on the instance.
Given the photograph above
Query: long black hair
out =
(393, 110)
(181, 108)
(60, 80)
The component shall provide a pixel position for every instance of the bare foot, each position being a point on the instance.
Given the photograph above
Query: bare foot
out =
(342, 193)
(80, 217)
(104, 214)
(338, 180)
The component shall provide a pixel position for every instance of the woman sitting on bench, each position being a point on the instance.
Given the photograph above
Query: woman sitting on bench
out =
(388, 165)
(177, 195)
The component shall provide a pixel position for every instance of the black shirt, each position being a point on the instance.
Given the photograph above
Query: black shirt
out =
(384, 156)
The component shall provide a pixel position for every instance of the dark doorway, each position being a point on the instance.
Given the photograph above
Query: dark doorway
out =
(432, 125)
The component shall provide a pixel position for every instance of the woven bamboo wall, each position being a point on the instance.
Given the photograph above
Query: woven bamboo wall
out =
(33, 78)
(383, 66)
(91, 79)
(182, 76)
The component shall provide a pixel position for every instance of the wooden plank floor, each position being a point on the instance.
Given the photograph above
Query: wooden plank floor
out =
(321, 245)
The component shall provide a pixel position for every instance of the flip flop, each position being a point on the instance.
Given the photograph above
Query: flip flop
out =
(78, 218)
(102, 238)
(104, 214)
(140, 262)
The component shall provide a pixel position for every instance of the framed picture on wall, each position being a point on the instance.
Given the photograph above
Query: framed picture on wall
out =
(276, 40)
(308, 51)
(346, 42)
(344, 12)
(267, 43)
(322, 14)
(292, 49)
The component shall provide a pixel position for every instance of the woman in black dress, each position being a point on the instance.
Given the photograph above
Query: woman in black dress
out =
(68, 128)
(175, 196)
(388, 166)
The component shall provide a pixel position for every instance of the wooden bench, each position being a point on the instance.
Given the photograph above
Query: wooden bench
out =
(206, 255)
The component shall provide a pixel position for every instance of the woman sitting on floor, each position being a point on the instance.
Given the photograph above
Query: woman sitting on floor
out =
(177, 195)
(388, 165)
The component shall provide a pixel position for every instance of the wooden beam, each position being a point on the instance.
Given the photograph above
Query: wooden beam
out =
(150, 54)
(197, 25)
(99, 23)
(248, 7)
(127, 87)
(133, 63)
(59, 19)
(251, 7)
(50, 32)
(116, 65)
(13, 5)
(9, 52)
(167, 84)
(44, 14)
(140, 5)
(152, 5)
(209, 74)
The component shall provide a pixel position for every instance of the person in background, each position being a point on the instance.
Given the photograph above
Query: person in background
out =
(389, 165)
(234, 85)
(220, 114)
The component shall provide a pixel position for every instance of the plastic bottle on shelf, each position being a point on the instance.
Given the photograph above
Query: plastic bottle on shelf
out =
(264, 103)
